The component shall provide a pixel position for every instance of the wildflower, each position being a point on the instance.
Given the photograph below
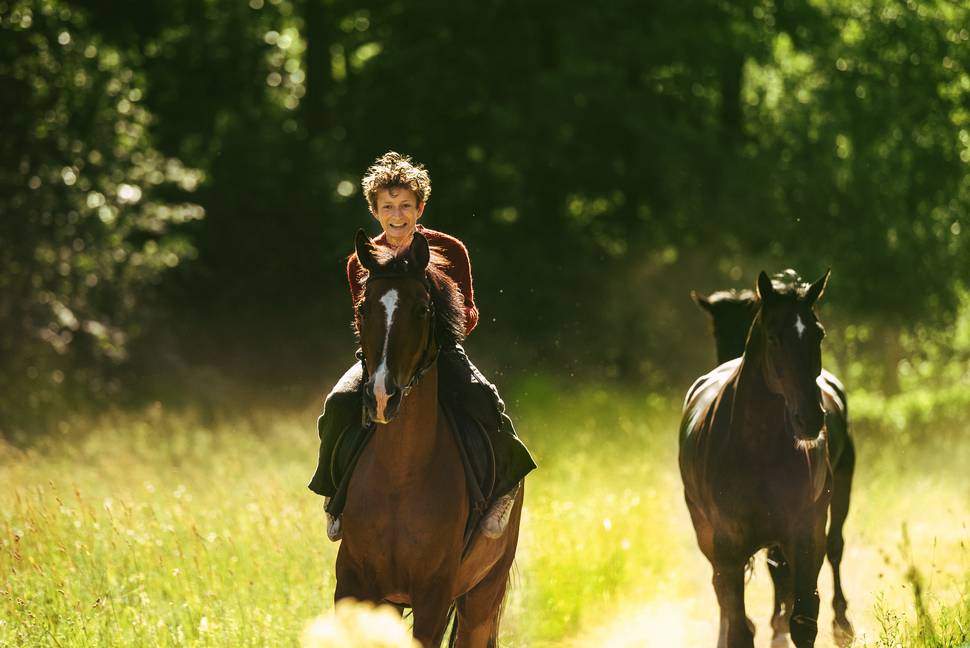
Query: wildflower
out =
(362, 625)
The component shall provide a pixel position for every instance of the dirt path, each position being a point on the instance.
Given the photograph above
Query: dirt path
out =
(874, 575)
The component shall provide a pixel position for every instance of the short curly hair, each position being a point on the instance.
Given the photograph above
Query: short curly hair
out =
(395, 170)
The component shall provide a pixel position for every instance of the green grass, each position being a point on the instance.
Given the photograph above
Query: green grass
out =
(163, 529)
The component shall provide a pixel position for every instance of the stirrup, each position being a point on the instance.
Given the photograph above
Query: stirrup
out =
(496, 520)
(334, 528)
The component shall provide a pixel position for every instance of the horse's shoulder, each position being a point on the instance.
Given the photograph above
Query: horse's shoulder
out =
(704, 392)
(713, 380)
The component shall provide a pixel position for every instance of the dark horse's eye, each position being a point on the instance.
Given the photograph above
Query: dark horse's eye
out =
(423, 311)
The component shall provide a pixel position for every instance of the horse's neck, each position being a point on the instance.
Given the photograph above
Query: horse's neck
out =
(410, 441)
(757, 412)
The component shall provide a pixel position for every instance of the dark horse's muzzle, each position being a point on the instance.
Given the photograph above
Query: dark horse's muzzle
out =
(807, 422)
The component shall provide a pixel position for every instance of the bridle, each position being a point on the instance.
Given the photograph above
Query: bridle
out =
(430, 353)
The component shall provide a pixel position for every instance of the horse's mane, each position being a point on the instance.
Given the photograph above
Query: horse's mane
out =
(734, 296)
(789, 283)
(449, 303)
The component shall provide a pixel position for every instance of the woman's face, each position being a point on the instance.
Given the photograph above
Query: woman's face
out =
(398, 211)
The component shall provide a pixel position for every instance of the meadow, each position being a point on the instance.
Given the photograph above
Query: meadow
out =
(167, 528)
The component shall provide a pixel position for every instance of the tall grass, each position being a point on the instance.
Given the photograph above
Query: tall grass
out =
(165, 529)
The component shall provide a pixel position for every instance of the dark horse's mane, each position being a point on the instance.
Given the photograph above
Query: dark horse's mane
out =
(449, 303)
(789, 283)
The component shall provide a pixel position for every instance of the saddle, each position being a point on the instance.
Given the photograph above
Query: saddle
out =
(469, 426)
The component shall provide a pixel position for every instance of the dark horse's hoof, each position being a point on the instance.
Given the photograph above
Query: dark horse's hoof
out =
(842, 632)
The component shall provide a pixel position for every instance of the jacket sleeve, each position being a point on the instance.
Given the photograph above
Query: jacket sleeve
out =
(462, 267)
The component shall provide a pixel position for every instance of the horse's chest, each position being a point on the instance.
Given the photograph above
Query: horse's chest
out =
(762, 497)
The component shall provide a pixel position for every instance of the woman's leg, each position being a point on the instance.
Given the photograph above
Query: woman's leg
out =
(462, 382)
(341, 412)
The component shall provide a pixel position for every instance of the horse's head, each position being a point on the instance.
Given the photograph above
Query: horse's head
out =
(792, 349)
(731, 314)
(396, 317)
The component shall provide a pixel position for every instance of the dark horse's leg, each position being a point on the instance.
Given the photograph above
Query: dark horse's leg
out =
(841, 492)
(807, 552)
(729, 586)
(781, 576)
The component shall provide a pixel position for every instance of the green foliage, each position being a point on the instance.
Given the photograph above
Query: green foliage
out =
(88, 208)
(598, 161)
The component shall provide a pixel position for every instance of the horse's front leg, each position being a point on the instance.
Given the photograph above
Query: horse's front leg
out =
(350, 581)
(729, 587)
(808, 552)
(431, 614)
(781, 577)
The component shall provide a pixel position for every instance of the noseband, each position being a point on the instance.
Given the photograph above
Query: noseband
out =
(430, 353)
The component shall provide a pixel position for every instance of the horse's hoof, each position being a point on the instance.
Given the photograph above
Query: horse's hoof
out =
(780, 641)
(842, 632)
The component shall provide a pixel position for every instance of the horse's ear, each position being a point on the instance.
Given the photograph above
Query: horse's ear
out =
(420, 251)
(365, 251)
(816, 289)
(701, 301)
(765, 290)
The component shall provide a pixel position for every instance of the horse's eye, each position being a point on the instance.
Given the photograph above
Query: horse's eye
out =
(423, 311)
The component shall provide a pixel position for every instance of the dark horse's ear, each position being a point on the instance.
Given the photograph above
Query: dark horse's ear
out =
(816, 289)
(701, 300)
(420, 251)
(365, 251)
(765, 290)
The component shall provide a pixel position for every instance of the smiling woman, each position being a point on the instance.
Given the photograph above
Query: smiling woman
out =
(397, 191)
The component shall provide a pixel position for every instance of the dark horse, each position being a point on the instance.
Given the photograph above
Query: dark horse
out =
(404, 525)
(754, 462)
(731, 313)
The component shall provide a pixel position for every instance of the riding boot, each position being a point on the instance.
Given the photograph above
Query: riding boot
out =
(334, 528)
(496, 520)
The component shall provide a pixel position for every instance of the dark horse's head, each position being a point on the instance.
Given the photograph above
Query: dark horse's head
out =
(731, 313)
(408, 310)
(790, 337)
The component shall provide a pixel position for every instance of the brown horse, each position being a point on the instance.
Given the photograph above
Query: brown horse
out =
(731, 314)
(404, 524)
(754, 461)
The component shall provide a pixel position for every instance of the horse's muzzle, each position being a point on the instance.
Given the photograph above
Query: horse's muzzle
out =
(807, 424)
(381, 402)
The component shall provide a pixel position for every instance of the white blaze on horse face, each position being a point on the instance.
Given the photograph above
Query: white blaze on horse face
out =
(799, 326)
(389, 301)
